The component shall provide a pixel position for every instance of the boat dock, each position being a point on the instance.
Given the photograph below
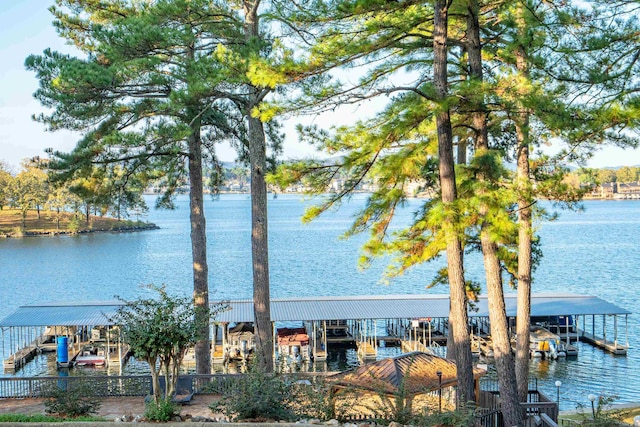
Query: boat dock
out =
(610, 346)
(361, 322)
(18, 359)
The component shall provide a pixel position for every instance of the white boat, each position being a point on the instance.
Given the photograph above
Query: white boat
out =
(544, 344)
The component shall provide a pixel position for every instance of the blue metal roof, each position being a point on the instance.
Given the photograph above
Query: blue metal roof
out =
(322, 308)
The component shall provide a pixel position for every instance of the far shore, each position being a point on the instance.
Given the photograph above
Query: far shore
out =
(63, 223)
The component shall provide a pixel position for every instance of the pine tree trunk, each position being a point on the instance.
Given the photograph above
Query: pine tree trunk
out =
(260, 246)
(259, 230)
(199, 246)
(500, 338)
(525, 236)
(525, 231)
(458, 321)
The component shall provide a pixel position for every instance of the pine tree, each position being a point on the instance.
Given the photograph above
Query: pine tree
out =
(142, 92)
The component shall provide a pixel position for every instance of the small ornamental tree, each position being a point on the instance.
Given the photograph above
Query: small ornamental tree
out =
(159, 331)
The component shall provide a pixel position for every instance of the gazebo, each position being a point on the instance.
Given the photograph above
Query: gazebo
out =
(411, 381)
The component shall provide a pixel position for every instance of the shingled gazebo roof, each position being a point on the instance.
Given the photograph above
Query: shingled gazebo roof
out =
(416, 372)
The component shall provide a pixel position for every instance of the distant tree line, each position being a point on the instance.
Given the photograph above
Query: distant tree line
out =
(100, 192)
(606, 175)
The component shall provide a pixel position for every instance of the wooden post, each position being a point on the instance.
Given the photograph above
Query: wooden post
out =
(315, 340)
(375, 335)
(275, 343)
(324, 335)
(626, 329)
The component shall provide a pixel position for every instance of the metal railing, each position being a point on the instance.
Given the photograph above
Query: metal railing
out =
(125, 385)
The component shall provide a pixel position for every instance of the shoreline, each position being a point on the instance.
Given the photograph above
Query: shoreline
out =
(12, 224)
(125, 229)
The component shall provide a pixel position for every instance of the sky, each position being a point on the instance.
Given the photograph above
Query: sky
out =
(26, 28)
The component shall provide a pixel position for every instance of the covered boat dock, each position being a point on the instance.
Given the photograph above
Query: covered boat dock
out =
(33, 329)
(419, 322)
(403, 318)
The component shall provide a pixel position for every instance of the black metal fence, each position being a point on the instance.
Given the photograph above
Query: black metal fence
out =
(126, 385)
(102, 386)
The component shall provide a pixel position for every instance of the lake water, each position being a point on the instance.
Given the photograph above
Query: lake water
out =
(595, 252)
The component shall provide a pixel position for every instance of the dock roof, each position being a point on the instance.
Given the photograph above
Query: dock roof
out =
(322, 308)
(412, 307)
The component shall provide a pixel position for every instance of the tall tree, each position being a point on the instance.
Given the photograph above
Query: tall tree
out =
(259, 231)
(143, 92)
(489, 175)
(459, 321)
(525, 208)
(397, 147)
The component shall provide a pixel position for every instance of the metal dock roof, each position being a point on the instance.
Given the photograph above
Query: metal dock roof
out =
(411, 307)
(62, 314)
(322, 308)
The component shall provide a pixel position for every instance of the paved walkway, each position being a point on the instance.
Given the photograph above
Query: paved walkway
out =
(111, 407)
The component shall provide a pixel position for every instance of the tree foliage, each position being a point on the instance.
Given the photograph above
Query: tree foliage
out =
(159, 331)
(517, 77)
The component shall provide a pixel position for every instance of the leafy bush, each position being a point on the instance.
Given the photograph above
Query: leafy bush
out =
(71, 402)
(163, 410)
(256, 396)
(312, 400)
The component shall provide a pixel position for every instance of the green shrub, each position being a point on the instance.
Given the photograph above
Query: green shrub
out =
(257, 396)
(312, 400)
(163, 410)
(71, 402)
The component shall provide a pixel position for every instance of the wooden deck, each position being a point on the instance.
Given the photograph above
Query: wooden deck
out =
(18, 359)
(609, 346)
(320, 354)
(366, 351)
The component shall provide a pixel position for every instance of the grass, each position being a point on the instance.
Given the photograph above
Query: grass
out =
(11, 223)
(21, 418)
(627, 415)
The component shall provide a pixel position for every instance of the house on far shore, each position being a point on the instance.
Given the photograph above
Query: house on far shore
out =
(628, 190)
(615, 190)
